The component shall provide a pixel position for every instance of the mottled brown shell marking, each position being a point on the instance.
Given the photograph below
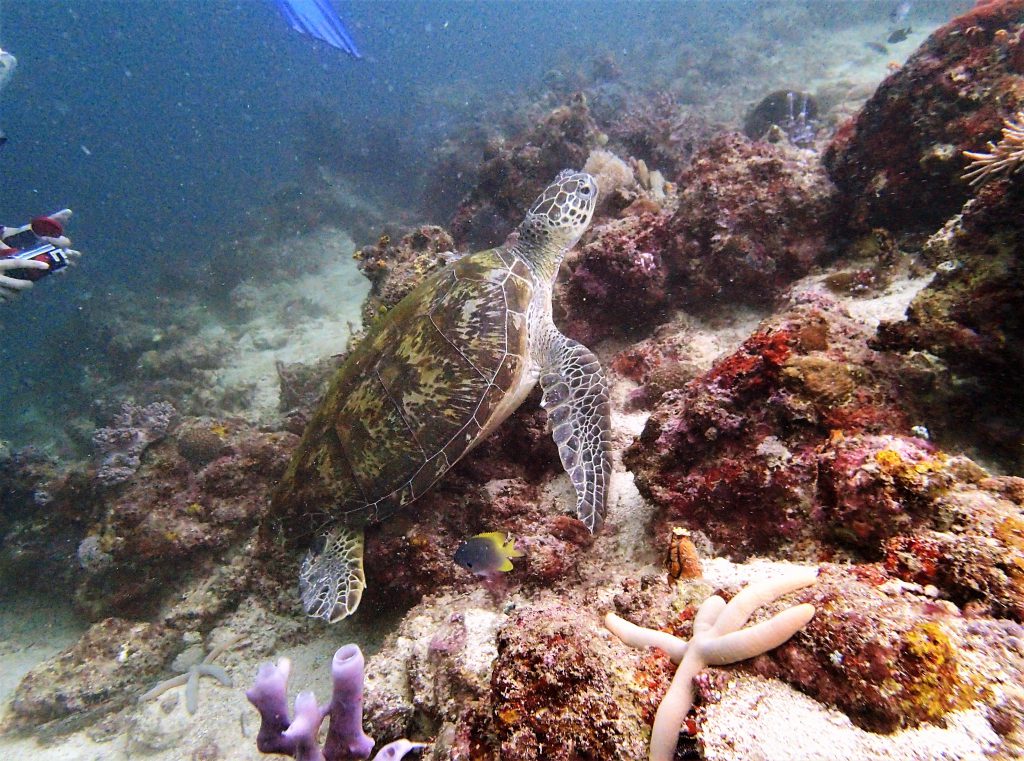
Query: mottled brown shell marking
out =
(414, 396)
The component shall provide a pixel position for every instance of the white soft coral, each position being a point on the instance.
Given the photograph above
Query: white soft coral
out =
(718, 639)
(1005, 157)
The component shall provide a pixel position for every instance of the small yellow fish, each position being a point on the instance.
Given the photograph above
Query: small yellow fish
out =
(487, 554)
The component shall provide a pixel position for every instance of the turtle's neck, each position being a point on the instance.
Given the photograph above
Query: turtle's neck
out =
(542, 252)
(543, 261)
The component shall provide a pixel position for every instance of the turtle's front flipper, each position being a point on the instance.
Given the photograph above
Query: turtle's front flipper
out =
(576, 400)
(331, 580)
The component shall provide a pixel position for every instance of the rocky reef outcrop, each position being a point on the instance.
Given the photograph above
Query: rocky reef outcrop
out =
(515, 170)
(897, 163)
(747, 220)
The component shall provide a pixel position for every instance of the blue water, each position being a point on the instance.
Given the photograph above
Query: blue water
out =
(188, 108)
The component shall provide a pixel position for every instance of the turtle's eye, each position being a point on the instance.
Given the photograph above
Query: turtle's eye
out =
(585, 190)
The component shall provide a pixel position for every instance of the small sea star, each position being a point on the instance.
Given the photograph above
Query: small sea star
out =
(718, 639)
(191, 677)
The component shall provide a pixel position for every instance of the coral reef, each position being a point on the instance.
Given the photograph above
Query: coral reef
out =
(809, 436)
(45, 511)
(749, 219)
(887, 653)
(516, 170)
(410, 556)
(297, 737)
(752, 217)
(176, 513)
(120, 446)
(897, 164)
(966, 325)
(658, 131)
(874, 487)
(554, 695)
(395, 268)
(613, 175)
(734, 452)
(619, 281)
(971, 549)
(106, 668)
(539, 680)
(891, 656)
(433, 676)
(799, 442)
(96, 675)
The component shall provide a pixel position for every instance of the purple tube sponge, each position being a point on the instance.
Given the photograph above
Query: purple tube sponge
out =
(297, 737)
(346, 738)
(269, 693)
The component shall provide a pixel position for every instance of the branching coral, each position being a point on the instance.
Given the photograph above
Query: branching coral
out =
(718, 640)
(1005, 157)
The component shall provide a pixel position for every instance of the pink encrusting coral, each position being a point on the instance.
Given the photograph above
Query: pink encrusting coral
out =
(544, 653)
(749, 218)
(752, 217)
(735, 452)
(620, 281)
(889, 655)
(800, 443)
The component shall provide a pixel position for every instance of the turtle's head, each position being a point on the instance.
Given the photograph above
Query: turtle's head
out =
(558, 217)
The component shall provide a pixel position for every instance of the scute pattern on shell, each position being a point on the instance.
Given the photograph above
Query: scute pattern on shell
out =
(415, 394)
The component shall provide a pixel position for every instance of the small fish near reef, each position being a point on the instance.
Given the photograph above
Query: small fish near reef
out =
(898, 35)
(488, 554)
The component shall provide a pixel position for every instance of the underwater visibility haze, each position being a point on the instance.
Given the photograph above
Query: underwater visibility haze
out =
(511, 380)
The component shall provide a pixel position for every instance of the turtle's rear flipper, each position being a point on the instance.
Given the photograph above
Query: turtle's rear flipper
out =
(576, 401)
(331, 580)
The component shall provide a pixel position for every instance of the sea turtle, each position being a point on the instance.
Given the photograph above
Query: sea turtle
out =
(430, 380)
